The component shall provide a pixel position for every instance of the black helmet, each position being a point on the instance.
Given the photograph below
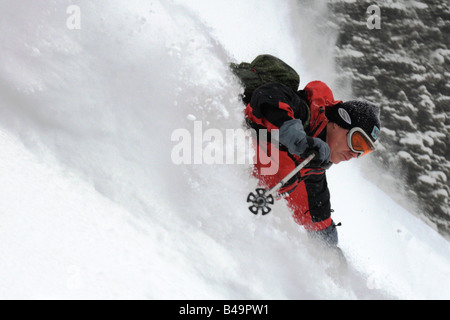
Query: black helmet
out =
(357, 114)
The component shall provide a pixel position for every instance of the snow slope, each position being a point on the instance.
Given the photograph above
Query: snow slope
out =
(92, 205)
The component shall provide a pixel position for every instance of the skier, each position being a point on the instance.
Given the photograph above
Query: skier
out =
(310, 121)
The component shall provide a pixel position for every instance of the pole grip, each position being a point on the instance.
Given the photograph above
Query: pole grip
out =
(290, 175)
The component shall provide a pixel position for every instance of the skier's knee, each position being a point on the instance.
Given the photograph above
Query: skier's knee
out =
(328, 236)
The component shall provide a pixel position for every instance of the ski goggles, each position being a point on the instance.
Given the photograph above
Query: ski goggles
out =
(359, 142)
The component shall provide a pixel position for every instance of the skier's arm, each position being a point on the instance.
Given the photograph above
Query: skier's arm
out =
(273, 104)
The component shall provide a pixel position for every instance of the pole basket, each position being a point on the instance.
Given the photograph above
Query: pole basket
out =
(260, 202)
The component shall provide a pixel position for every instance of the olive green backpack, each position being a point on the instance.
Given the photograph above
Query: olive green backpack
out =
(264, 69)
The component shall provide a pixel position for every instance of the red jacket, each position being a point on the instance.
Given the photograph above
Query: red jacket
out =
(271, 105)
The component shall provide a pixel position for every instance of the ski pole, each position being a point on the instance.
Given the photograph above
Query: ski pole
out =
(264, 197)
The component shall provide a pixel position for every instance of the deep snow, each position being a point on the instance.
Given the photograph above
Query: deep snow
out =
(93, 207)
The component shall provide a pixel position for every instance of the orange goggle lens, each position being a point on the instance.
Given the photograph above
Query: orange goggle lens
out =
(359, 142)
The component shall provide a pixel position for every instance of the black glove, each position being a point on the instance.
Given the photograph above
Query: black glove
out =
(322, 153)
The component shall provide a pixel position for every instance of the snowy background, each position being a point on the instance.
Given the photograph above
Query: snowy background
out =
(404, 66)
(91, 204)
